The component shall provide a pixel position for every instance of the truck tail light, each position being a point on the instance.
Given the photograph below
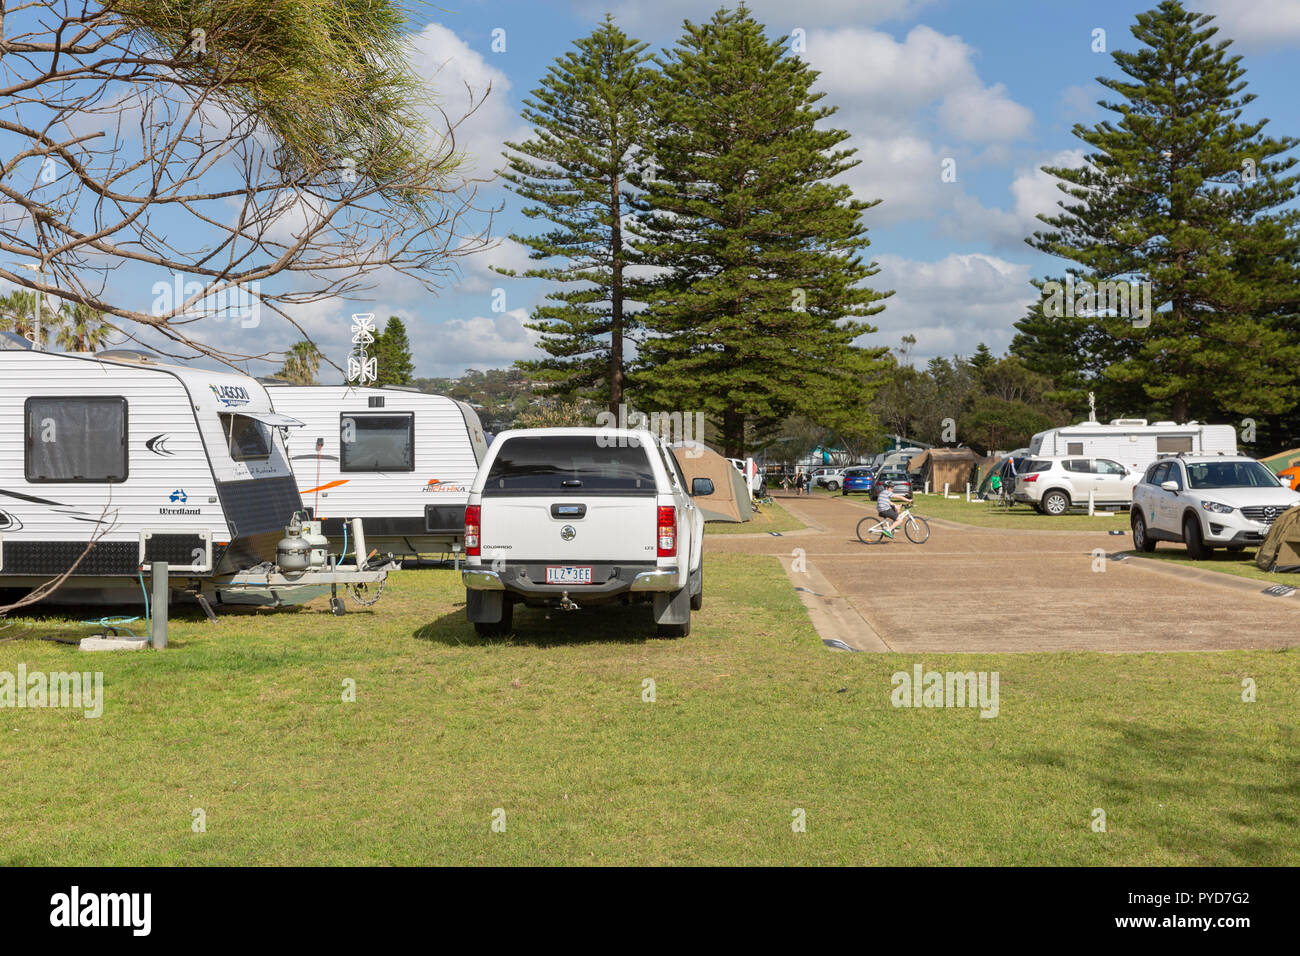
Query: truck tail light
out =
(667, 531)
(472, 513)
(1029, 478)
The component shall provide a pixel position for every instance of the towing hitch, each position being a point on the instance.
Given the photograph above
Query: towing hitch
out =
(566, 604)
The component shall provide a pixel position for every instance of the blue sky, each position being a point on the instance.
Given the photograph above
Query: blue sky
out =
(994, 85)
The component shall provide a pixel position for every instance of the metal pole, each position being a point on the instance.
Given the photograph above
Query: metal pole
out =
(158, 632)
(40, 274)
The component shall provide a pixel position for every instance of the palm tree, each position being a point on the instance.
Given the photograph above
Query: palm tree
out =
(18, 313)
(301, 363)
(81, 328)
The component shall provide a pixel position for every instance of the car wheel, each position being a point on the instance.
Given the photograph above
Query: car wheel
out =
(833, 485)
(1141, 541)
(1196, 547)
(1056, 503)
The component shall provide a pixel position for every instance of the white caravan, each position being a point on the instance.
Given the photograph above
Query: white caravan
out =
(401, 459)
(1133, 442)
(151, 462)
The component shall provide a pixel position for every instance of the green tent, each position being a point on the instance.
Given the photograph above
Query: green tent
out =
(1281, 549)
(1283, 459)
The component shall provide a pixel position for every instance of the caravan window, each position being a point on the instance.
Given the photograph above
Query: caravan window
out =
(76, 439)
(247, 439)
(377, 442)
(1173, 444)
(1074, 448)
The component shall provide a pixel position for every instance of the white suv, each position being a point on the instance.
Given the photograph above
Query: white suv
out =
(570, 517)
(1053, 485)
(830, 478)
(1207, 502)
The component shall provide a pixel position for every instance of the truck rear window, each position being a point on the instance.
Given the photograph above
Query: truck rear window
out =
(569, 464)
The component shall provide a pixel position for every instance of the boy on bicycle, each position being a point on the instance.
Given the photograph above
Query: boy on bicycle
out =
(885, 506)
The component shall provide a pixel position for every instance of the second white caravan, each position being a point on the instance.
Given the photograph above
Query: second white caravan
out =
(1133, 442)
(401, 459)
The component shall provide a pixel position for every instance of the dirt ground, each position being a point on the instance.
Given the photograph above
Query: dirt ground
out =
(982, 590)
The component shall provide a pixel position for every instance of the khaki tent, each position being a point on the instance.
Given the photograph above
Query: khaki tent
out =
(730, 500)
(939, 466)
(1281, 549)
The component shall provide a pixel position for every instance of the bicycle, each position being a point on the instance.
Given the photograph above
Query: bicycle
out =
(916, 528)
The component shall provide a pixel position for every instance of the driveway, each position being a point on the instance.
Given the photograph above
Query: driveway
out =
(978, 589)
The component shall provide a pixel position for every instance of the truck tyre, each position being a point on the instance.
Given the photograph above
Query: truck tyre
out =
(1141, 540)
(1196, 547)
(1056, 502)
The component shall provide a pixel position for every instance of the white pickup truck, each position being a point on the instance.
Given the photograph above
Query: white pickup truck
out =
(571, 517)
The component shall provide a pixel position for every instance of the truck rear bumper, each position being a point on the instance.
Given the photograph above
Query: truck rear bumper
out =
(528, 580)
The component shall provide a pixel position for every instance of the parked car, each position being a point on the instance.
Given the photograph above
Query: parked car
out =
(1207, 502)
(830, 478)
(1053, 485)
(897, 477)
(571, 517)
(856, 480)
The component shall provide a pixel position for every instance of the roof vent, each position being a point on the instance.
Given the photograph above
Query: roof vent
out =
(127, 355)
(1129, 422)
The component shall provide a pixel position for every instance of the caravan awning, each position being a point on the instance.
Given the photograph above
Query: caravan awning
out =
(274, 419)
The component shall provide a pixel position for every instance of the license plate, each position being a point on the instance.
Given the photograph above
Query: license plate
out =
(568, 575)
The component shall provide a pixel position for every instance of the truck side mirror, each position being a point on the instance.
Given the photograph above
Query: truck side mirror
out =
(701, 487)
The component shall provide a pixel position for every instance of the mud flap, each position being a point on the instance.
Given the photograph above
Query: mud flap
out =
(674, 608)
(484, 607)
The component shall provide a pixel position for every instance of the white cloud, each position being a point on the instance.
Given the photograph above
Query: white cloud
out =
(476, 268)
(951, 305)
(666, 16)
(479, 342)
(458, 77)
(1256, 24)
(880, 81)
(984, 114)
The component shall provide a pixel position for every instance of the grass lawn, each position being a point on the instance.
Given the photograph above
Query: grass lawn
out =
(1241, 564)
(752, 719)
(1023, 517)
(769, 517)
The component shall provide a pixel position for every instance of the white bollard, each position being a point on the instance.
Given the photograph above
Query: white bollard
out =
(945, 489)
(1092, 500)
(968, 492)
(927, 486)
